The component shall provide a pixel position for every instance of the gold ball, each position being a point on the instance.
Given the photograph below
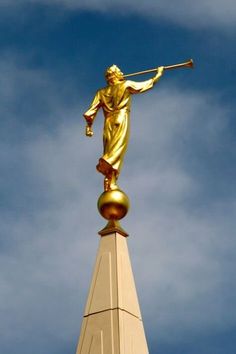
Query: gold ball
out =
(113, 205)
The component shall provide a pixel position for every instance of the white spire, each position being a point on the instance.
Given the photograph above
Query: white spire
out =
(112, 321)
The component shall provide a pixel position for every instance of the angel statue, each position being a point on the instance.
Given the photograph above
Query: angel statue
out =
(115, 101)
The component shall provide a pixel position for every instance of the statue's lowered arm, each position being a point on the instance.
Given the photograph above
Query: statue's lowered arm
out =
(91, 113)
(140, 87)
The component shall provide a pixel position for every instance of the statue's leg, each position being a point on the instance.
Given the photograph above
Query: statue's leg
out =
(107, 183)
(113, 183)
(110, 182)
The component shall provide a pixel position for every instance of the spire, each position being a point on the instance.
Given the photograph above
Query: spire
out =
(112, 322)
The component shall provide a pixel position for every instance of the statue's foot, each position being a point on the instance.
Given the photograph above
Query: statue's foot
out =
(104, 167)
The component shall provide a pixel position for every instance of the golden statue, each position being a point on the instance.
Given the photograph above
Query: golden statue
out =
(115, 100)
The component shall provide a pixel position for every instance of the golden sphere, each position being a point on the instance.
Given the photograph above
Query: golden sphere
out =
(113, 205)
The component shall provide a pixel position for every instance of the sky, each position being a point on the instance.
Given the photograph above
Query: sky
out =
(179, 171)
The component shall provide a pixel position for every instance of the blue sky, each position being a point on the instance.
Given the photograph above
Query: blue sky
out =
(179, 171)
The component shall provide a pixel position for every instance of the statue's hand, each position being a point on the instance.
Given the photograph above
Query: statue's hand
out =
(160, 70)
(89, 131)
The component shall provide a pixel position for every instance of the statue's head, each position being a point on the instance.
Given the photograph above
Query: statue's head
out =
(114, 74)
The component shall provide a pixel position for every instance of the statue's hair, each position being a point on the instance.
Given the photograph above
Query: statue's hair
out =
(114, 71)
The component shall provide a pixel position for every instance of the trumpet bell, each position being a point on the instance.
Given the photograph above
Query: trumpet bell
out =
(190, 63)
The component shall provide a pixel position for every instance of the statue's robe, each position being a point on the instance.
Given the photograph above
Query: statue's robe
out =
(115, 100)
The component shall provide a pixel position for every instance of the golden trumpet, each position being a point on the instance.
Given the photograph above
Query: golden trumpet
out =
(187, 64)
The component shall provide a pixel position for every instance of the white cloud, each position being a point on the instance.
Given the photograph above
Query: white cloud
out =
(195, 14)
(180, 251)
(181, 259)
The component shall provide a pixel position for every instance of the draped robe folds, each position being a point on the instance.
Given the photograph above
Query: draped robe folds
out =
(115, 100)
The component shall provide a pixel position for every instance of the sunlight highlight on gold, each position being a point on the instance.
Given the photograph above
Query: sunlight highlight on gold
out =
(113, 204)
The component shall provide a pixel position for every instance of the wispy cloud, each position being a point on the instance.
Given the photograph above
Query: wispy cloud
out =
(189, 212)
(200, 14)
(176, 246)
(176, 228)
(38, 202)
